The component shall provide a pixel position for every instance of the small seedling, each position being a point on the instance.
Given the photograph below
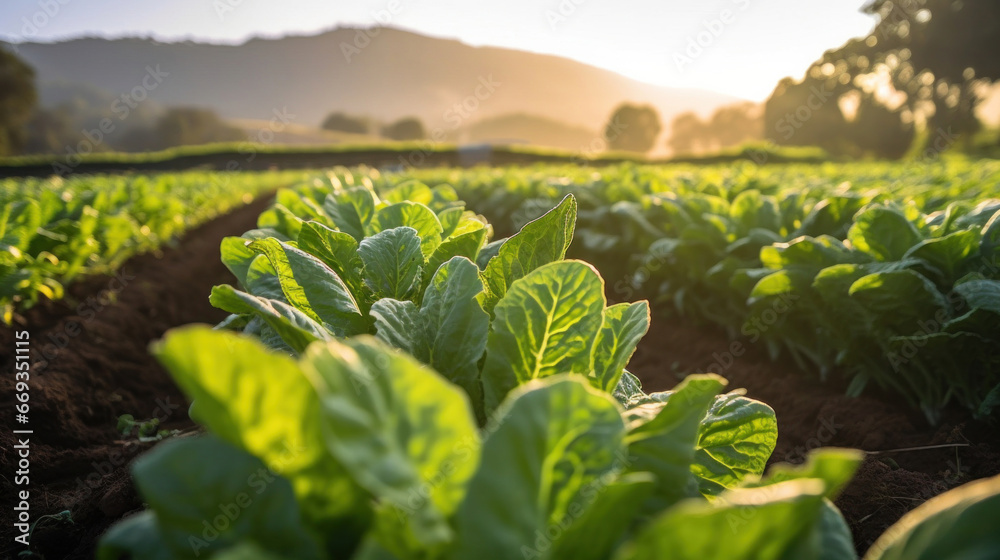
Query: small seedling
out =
(145, 430)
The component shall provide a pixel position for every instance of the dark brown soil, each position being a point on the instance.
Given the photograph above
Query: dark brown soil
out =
(90, 364)
(811, 414)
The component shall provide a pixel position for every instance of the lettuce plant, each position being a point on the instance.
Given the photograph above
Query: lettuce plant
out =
(884, 286)
(357, 450)
(911, 313)
(491, 410)
(55, 230)
(407, 272)
(366, 450)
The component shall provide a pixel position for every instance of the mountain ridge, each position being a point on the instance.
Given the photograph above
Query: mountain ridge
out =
(396, 73)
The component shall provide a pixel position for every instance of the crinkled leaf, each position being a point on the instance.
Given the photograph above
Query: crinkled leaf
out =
(899, 298)
(883, 233)
(466, 245)
(545, 324)
(337, 249)
(393, 263)
(540, 242)
(735, 440)
(629, 388)
(947, 254)
(623, 327)
(313, 288)
(449, 329)
(351, 210)
(981, 294)
(411, 215)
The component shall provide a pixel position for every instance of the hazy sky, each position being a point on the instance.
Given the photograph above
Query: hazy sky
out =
(740, 47)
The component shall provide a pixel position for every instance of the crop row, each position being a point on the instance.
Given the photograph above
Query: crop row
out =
(887, 274)
(401, 387)
(55, 230)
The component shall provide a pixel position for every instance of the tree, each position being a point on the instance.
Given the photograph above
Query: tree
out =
(729, 126)
(405, 129)
(945, 49)
(923, 64)
(687, 134)
(944, 37)
(735, 124)
(342, 122)
(17, 101)
(879, 130)
(633, 128)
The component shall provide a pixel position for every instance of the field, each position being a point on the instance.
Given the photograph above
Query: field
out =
(543, 361)
(55, 230)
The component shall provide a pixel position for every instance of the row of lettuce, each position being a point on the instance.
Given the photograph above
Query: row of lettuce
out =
(55, 230)
(880, 273)
(392, 384)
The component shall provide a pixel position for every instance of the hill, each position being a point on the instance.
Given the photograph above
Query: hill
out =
(397, 73)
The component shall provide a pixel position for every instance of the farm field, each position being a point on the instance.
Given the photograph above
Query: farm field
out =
(439, 360)
(53, 231)
(848, 267)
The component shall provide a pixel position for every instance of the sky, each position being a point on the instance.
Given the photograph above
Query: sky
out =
(738, 47)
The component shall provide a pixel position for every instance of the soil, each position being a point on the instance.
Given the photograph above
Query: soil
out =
(90, 364)
(811, 414)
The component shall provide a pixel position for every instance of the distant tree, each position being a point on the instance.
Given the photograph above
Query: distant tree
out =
(633, 128)
(923, 64)
(729, 126)
(342, 122)
(735, 124)
(409, 128)
(687, 133)
(17, 101)
(185, 126)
